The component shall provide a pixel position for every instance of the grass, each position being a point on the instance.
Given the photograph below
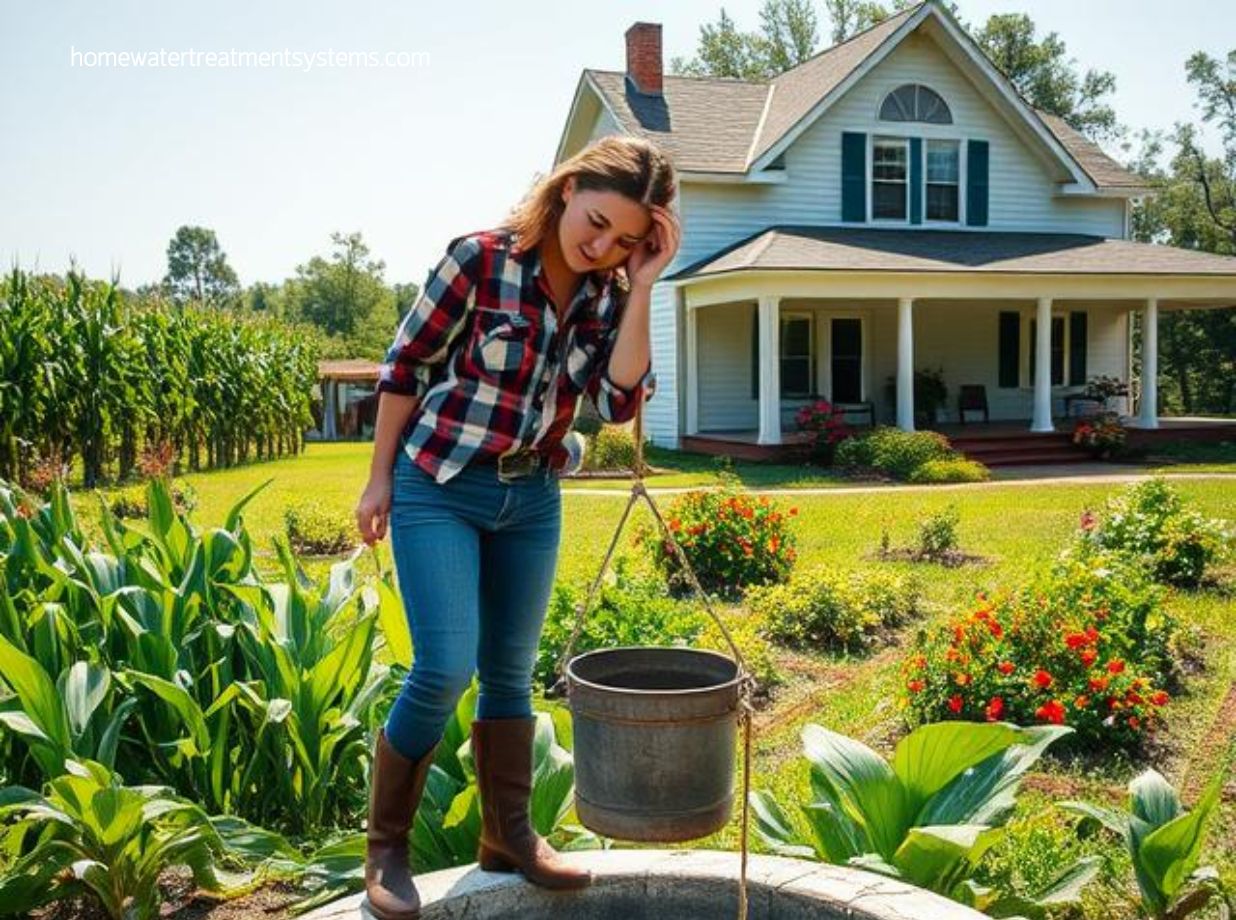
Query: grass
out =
(1016, 527)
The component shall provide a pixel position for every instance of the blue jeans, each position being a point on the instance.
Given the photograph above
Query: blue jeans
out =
(475, 559)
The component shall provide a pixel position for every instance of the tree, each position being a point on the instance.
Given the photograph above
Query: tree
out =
(788, 37)
(849, 17)
(197, 269)
(1194, 207)
(1046, 78)
(340, 294)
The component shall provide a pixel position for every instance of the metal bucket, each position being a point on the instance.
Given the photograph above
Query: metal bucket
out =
(654, 741)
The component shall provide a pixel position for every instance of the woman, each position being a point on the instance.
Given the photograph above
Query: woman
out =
(481, 385)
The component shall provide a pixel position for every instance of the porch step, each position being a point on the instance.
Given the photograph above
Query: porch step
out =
(1016, 450)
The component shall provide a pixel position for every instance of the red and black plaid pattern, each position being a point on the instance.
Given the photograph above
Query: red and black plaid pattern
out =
(483, 350)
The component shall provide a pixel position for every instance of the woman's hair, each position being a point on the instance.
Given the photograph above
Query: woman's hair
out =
(632, 166)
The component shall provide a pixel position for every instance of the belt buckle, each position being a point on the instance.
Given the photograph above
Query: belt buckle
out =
(520, 463)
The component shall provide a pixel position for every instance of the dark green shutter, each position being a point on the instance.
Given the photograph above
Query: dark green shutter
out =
(755, 352)
(1077, 347)
(1010, 347)
(916, 180)
(853, 177)
(976, 184)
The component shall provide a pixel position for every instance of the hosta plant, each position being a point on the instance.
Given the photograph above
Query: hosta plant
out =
(93, 835)
(1165, 842)
(927, 817)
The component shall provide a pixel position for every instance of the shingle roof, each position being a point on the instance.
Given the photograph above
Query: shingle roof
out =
(704, 124)
(846, 249)
(711, 124)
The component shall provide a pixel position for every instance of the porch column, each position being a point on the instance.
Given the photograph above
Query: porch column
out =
(1042, 368)
(693, 371)
(1148, 410)
(770, 370)
(330, 411)
(905, 364)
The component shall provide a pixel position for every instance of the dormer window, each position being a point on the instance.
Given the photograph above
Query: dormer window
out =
(915, 102)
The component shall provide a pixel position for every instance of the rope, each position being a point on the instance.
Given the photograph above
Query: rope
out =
(747, 683)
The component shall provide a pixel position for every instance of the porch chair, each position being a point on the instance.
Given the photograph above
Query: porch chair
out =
(972, 398)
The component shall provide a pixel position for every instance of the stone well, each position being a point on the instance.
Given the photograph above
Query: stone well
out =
(672, 885)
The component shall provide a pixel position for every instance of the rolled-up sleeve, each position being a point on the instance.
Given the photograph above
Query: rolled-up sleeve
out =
(614, 403)
(426, 333)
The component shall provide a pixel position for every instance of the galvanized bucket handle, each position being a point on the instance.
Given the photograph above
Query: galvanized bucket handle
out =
(747, 682)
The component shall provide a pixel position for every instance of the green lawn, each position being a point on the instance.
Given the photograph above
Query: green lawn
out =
(1016, 526)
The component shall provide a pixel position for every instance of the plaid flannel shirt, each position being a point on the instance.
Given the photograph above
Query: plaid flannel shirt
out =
(483, 350)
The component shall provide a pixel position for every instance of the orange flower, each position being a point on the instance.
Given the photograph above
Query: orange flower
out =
(1115, 666)
(1098, 684)
(1081, 702)
(1006, 668)
(1159, 698)
(1042, 679)
(963, 679)
(1051, 711)
(1088, 656)
(915, 686)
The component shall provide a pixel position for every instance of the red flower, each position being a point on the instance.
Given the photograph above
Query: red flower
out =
(1098, 684)
(1092, 634)
(1115, 666)
(996, 629)
(793, 511)
(955, 702)
(1159, 698)
(675, 524)
(1076, 640)
(1088, 519)
(995, 709)
(915, 686)
(1006, 668)
(1051, 711)
(1088, 656)
(1042, 679)
(1134, 722)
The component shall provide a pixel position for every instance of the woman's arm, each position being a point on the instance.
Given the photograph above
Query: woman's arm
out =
(373, 508)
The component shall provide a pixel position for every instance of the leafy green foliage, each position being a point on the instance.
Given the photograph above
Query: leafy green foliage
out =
(1165, 842)
(927, 817)
(893, 451)
(829, 609)
(1149, 523)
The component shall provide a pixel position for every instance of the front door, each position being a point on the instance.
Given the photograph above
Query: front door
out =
(847, 360)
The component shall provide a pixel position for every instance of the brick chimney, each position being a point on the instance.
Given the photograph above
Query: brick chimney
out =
(644, 57)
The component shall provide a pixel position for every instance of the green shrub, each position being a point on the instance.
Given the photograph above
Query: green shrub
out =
(827, 609)
(587, 425)
(611, 448)
(959, 469)
(1149, 522)
(893, 451)
(937, 534)
(730, 538)
(1086, 644)
(314, 531)
(130, 502)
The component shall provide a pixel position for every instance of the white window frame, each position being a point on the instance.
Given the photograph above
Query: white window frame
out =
(904, 140)
(809, 316)
(961, 181)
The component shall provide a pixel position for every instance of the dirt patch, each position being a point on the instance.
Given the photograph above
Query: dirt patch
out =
(1211, 751)
(950, 558)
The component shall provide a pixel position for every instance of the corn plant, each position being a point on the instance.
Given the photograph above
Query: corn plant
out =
(926, 818)
(1165, 842)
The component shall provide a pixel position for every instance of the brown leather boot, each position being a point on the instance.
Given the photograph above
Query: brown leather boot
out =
(502, 750)
(395, 789)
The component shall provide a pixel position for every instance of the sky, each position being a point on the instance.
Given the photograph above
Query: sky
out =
(100, 165)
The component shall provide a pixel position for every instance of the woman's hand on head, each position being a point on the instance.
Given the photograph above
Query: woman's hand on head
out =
(373, 509)
(649, 258)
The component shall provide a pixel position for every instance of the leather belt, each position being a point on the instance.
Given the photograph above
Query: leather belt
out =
(523, 462)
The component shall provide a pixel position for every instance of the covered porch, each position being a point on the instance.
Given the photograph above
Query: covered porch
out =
(872, 319)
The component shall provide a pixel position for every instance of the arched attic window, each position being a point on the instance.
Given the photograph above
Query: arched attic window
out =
(915, 102)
